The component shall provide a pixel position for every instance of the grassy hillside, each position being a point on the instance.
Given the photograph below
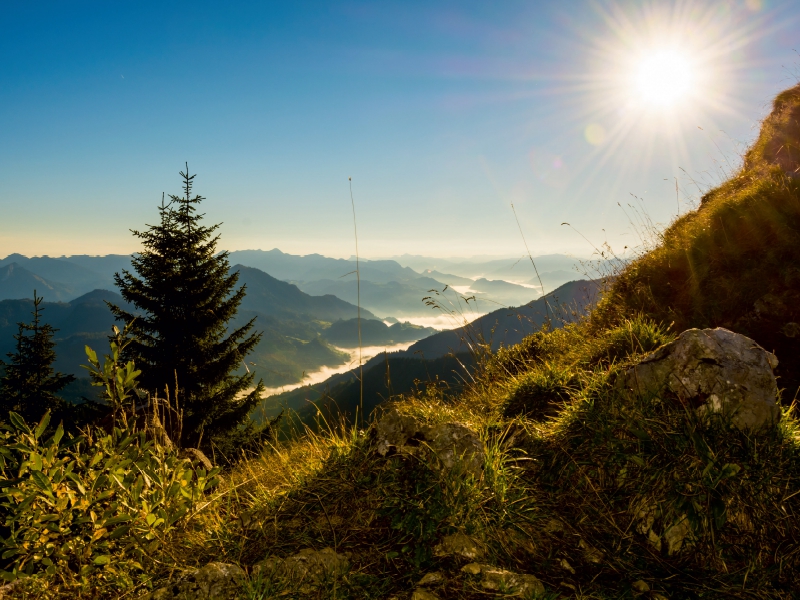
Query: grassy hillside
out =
(597, 491)
(734, 262)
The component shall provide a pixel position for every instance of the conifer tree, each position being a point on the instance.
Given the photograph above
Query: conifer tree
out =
(187, 296)
(29, 386)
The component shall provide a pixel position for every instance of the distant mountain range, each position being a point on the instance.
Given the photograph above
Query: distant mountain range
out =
(388, 288)
(444, 358)
(294, 324)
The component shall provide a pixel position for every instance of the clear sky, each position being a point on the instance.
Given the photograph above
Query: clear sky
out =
(443, 113)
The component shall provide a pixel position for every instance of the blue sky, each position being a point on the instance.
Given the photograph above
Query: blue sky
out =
(444, 113)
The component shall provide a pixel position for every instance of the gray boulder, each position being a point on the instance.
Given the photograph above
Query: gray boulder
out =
(714, 371)
(215, 581)
(500, 580)
(308, 566)
(454, 444)
(459, 545)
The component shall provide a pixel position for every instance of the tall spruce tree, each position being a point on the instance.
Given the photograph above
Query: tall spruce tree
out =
(29, 386)
(188, 296)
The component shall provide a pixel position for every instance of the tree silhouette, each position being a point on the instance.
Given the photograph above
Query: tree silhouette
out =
(29, 386)
(188, 296)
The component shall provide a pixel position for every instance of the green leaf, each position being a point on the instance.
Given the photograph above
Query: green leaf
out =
(17, 421)
(91, 355)
(119, 532)
(40, 429)
(116, 520)
(58, 434)
(640, 433)
(103, 559)
(636, 459)
(729, 470)
(35, 461)
(41, 481)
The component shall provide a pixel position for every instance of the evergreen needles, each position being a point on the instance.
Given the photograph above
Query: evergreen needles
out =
(29, 385)
(188, 296)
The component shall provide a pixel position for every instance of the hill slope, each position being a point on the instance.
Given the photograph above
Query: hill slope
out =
(734, 262)
(17, 282)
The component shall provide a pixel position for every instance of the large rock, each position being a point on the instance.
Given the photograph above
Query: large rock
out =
(215, 581)
(500, 580)
(395, 431)
(459, 545)
(714, 371)
(308, 566)
(454, 444)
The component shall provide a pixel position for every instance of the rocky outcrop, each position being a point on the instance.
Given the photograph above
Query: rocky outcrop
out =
(500, 580)
(308, 566)
(215, 581)
(459, 545)
(454, 444)
(713, 371)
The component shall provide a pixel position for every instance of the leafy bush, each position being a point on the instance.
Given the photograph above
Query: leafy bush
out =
(92, 504)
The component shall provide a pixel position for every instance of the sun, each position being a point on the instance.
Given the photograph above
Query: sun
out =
(664, 78)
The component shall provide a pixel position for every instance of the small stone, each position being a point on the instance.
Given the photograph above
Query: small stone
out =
(506, 581)
(566, 566)
(472, 569)
(554, 526)
(460, 545)
(215, 581)
(791, 330)
(313, 566)
(423, 594)
(394, 430)
(433, 578)
(454, 444)
(654, 540)
(640, 587)
(590, 553)
(9, 590)
(677, 534)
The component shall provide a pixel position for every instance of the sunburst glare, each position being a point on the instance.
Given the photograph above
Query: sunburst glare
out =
(664, 78)
(655, 74)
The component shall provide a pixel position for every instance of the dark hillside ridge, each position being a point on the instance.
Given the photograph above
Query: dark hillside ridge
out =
(312, 267)
(18, 282)
(385, 376)
(508, 326)
(345, 333)
(74, 277)
(272, 296)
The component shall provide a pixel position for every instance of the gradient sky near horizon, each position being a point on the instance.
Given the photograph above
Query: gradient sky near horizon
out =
(444, 114)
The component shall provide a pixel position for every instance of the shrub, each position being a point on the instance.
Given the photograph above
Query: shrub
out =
(96, 504)
(100, 503)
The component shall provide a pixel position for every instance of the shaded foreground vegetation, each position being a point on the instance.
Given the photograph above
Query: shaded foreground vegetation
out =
(582, 484)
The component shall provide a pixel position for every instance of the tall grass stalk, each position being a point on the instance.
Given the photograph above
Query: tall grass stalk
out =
(541, 285)
(358, 302)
